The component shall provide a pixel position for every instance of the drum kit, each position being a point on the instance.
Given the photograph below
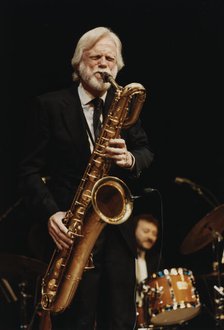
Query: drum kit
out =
(19, 276)
(170, 298)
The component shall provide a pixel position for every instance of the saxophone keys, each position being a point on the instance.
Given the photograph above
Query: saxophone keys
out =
(52, 284)
(89, 264)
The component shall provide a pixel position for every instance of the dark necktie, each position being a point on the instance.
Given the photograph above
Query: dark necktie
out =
(98, 110)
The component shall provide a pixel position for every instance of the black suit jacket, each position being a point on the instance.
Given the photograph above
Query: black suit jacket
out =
(58, 148)
(154, 262)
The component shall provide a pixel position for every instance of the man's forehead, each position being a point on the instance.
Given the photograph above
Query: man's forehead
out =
(106, 44)
(147, 223)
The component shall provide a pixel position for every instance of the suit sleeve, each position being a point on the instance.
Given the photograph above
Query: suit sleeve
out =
(32, 168)
(138, 144)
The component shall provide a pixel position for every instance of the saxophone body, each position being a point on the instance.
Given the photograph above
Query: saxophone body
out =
(99, 199)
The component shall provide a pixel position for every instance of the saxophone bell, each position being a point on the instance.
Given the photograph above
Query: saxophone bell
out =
(112, 200)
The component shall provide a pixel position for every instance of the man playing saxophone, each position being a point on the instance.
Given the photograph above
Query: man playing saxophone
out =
(63, 138)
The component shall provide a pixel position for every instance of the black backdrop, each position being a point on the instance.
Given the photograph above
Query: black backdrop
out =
(175, 49)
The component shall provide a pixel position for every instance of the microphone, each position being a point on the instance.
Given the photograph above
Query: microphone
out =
(145, 191)
(184, 180)
(193, 185)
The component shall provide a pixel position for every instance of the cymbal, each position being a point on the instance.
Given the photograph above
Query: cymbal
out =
(204, 231)
(22, 266)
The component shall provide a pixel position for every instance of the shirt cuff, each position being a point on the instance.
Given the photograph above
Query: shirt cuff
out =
(133, 162)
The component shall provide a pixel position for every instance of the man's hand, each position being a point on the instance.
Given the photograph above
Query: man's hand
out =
(58, 231)
(117, 151)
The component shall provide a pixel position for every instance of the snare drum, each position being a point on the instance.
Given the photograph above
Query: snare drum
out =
(173, 298)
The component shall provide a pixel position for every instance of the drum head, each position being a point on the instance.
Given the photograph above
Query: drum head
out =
(178, 316)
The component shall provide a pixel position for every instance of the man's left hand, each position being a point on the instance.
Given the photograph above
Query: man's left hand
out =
(117, 151)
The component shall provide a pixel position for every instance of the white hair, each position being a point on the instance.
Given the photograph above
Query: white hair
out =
(88, 40)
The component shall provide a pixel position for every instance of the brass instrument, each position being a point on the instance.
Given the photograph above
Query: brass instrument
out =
(109, 196)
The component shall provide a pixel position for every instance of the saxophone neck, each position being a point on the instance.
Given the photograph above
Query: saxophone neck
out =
(108, 78)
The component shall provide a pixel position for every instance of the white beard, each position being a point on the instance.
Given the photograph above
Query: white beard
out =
(91, 80)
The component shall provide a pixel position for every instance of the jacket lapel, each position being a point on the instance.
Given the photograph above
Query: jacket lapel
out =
(74, 121)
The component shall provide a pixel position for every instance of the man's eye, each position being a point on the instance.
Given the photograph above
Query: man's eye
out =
(110, 59)
(94, 57)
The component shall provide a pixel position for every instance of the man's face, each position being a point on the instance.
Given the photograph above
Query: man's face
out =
(146, 234)
(102, 57)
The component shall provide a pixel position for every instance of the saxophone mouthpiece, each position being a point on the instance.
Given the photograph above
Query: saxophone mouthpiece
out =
(106, 76)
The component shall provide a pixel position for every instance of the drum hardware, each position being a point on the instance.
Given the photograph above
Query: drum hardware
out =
(142, 314)
(40, 319)
(24, 271)
(219, 304)
(24, 297)
(7, 290)
(220, 290)
(212, 296)
(156, 292)
(209, 231)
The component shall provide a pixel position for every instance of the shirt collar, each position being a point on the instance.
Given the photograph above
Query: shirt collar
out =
(86, 97)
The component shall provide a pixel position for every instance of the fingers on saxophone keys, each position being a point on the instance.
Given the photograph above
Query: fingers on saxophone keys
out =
(114, 153)
(64, 240)
(71, 235)
(67, 235)
(61, 244)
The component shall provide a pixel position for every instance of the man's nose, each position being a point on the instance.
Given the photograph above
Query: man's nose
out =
(103, 61)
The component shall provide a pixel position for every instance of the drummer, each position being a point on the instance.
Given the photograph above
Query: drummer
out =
(146, 233)
(148, 258)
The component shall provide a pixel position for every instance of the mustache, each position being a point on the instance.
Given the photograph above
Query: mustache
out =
(150, 241)
(101, 72)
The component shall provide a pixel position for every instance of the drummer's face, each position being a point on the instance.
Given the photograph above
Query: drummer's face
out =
(146, 234)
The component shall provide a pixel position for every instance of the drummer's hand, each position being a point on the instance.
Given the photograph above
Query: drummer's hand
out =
(58, 231)
(117, 151)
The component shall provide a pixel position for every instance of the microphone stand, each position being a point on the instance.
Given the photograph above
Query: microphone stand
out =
(210, 197)
(200, 192)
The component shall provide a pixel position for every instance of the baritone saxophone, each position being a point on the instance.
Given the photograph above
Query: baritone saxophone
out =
(99, 200)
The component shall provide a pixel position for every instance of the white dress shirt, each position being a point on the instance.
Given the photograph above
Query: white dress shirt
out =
(88, 110)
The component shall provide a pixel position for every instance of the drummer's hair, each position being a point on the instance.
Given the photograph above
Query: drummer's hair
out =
(146, 217)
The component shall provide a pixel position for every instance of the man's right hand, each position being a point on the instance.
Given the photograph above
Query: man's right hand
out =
(58, 231)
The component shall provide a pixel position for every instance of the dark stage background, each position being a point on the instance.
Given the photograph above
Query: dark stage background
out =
(175, 49)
